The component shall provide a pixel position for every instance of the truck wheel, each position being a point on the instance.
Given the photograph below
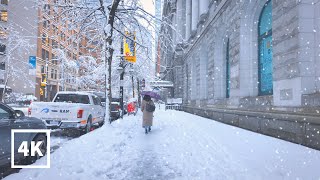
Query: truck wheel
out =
(89, 125)
(43, 148)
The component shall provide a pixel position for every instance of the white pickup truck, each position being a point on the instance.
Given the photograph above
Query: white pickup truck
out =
(70, 110)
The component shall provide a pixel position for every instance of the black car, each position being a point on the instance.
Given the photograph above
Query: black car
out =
(115, 110)
(15, 119)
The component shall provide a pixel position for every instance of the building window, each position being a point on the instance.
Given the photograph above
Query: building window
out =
(45, 54)
(63, 37)
(54, 44)
(194, 80)
(203, 72)
(42, 69)
(52, 73)
(54, 59)
(3, 33)
(228, 70)
(55, 29)
(55, 74)
(265, 50)
(46, 24)
(2, 49)
(5, 2)
(2, 66)
(46, 8)
(4, 16)
(45, 39)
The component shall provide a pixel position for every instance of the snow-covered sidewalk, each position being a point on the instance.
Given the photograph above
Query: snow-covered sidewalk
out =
(180, 146)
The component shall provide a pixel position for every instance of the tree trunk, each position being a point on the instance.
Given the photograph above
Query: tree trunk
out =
(109, 49)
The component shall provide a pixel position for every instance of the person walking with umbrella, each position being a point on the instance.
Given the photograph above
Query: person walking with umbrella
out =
(147, 107)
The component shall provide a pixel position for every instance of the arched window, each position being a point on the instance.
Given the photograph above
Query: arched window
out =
(228, 70)
(265, 50)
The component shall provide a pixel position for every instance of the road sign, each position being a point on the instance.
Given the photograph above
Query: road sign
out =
(32, 65)
(32, 62)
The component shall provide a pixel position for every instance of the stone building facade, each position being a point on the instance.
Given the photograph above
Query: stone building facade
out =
(252, 64)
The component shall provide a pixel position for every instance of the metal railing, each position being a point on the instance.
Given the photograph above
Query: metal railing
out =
(174, 107)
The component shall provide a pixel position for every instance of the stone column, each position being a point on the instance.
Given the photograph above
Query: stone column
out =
(204, 5)
(174, 27)
(188, 19)
(195, 14)
(179, 21)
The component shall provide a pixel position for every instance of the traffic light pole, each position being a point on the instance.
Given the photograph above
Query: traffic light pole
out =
(46, 87)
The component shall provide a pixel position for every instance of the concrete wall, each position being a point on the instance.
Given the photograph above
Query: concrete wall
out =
(291, 112)
(297, 128)
(295, 32)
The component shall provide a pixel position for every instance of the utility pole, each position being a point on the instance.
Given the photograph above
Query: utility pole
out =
(62, 69)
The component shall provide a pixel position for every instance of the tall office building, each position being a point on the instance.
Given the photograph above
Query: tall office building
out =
(3, 37)
(18, 34)
(158, 16)
(34, 67)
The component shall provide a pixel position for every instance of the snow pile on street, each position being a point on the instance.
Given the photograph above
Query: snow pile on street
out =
(26, 98)
(180, 146)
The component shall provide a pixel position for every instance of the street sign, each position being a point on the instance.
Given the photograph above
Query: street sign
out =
(32, 65)
(129, 47)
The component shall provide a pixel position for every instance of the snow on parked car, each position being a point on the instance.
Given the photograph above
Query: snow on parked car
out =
(70, 110)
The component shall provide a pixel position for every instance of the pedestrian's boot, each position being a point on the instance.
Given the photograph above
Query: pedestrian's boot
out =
(146, 130)
(149, 129)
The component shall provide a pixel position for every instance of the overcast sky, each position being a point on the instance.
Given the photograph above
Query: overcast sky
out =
(148, 6)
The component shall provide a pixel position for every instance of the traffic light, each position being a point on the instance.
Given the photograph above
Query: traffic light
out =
(143, 84)
(43, 79)
(41, 92)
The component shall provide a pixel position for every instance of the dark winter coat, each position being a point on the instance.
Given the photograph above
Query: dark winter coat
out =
(147, 118)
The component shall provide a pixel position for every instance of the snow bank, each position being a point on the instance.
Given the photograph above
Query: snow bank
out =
(180, 146)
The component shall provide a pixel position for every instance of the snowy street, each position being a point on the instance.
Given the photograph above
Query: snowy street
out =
(160, 90)
(180, 146)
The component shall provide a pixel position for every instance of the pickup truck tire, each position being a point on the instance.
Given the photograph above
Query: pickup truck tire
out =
(87, 129)
(43, 148)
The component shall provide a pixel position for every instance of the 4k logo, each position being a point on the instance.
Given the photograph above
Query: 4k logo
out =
(30, 148)
(34, 148)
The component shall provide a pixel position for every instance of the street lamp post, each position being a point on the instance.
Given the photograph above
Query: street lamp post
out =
(121, 68)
